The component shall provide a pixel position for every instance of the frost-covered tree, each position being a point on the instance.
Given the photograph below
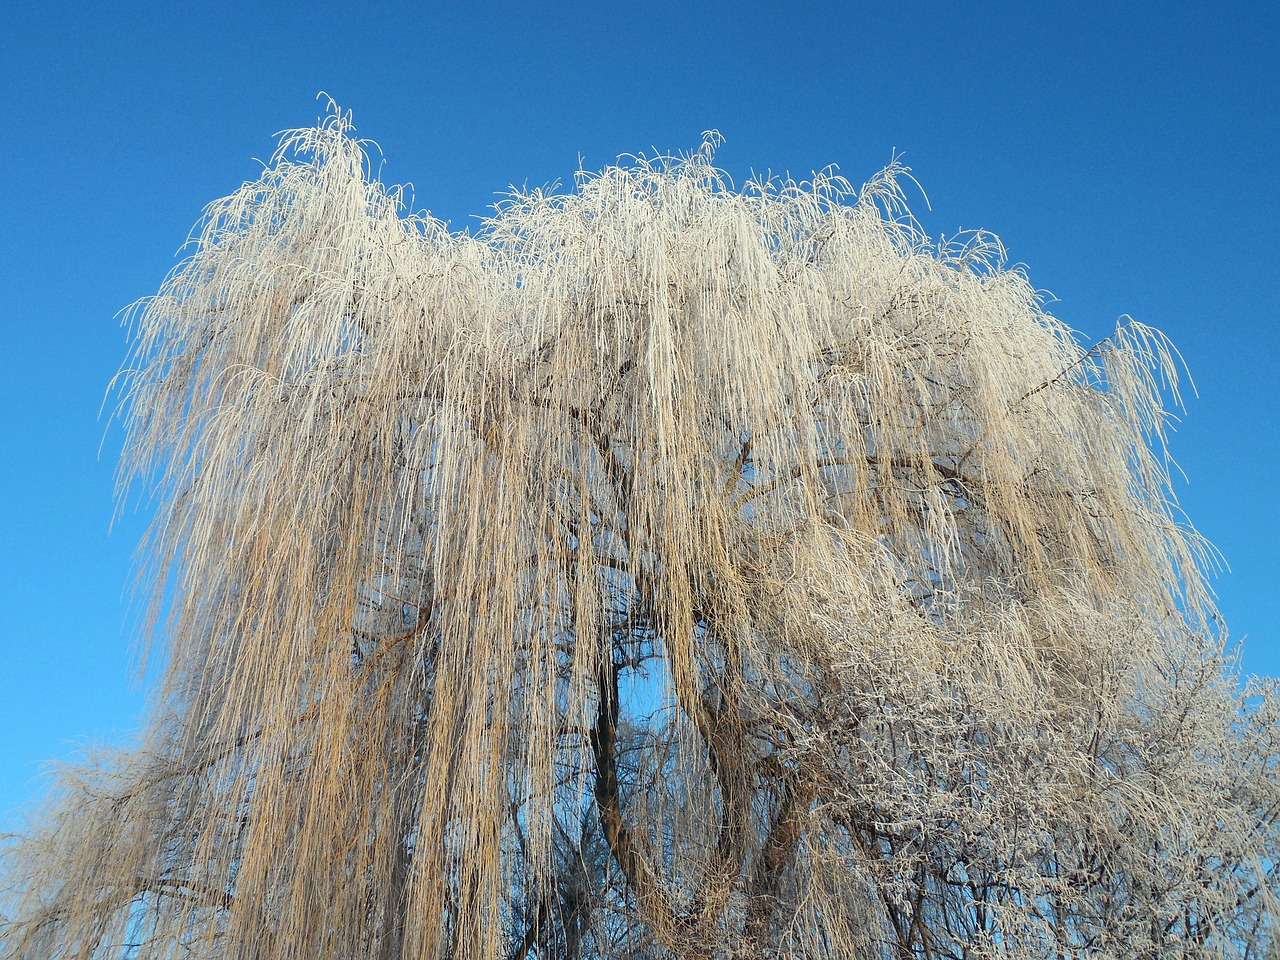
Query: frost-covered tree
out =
(667, 570)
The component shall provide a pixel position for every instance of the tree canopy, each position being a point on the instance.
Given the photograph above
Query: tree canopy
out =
(667, 570)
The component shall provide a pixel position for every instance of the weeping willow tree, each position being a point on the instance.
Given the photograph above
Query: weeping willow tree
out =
(667, 570)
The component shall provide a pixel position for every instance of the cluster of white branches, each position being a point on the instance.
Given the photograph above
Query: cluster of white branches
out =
(667, 570)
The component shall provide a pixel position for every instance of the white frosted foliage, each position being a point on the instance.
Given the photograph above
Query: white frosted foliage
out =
(666, 570)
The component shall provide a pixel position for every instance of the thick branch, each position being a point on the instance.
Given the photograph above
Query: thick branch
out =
(779, 849)
(653, 899)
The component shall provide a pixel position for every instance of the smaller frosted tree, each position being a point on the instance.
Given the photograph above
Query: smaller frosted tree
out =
(666, 571)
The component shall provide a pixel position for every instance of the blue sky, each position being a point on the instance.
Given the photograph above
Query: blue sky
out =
(1127, 155)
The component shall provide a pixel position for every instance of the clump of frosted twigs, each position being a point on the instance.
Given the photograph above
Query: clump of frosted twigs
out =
(666, 570)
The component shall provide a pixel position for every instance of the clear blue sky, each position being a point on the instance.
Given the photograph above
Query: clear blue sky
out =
(1128, 155)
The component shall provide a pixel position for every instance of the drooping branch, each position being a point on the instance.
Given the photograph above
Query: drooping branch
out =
(655, 902)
